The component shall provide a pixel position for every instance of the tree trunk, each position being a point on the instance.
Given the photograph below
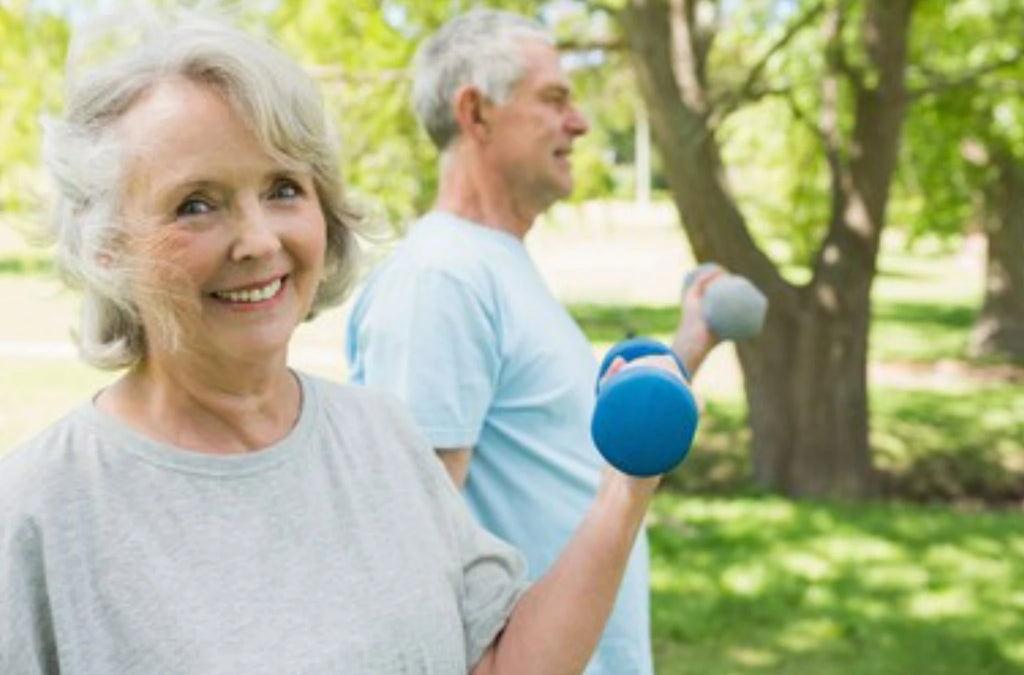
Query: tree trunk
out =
(806, 375)
(999, 330)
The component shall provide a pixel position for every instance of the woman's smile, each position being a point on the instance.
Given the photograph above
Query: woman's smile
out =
(259, 294)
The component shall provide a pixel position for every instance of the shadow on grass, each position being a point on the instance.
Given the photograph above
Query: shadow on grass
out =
(610, 321)
(932, 445)
(919, 331)
(770, 586)
(926, 331)
(928, 446)
(900, 330)
(719, 462)
(925, 314)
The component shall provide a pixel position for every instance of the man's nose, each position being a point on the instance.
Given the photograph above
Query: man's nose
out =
(576, 123)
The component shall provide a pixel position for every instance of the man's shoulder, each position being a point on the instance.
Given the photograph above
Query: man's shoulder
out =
(442, 240)
(438, 241)
(437, 256)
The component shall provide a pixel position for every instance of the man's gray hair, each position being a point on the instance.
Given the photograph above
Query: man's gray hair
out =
(481, 48)
(278, 101)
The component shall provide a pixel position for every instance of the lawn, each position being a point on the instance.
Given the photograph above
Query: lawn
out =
(930, 580)
(768, 586)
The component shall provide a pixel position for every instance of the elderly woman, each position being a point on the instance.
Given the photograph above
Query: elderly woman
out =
(213, 511)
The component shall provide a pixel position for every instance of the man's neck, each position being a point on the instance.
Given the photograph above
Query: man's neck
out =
(471, 192)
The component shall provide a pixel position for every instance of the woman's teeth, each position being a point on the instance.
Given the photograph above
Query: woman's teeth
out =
(252, 294)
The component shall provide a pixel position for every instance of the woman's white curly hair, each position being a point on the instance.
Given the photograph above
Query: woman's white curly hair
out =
(273, 95)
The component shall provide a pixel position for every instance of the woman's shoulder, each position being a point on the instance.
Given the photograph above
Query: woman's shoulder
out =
(353, 401)
(33, 469)
(362, 411)
(336, 393)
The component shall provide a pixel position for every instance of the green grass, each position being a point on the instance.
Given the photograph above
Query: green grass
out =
(920, 331)
(25, 264)
(749, 584)
(901, 330)
(951, 445)
(928, 445)
(611, 323)
(923, 307)
(763, 585)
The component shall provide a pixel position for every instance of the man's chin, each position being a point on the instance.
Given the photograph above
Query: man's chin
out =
(564, 187)
(558, 194)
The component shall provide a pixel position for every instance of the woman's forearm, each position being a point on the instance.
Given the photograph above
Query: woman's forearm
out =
(558, 621)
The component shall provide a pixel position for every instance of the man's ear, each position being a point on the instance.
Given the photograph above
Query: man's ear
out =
(470, 107)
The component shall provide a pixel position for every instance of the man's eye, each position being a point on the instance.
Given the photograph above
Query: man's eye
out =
(193, 206)
(558, 97)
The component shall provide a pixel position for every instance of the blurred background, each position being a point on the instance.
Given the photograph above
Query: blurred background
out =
(853, 504)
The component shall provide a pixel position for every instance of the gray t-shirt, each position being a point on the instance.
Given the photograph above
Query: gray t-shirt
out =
(343, 548)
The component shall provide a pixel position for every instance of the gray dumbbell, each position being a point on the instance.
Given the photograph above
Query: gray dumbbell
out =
(732, 306)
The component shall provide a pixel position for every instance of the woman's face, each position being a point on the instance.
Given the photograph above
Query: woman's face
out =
(229, 241)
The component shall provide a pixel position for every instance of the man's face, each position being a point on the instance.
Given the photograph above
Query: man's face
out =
(533, 131)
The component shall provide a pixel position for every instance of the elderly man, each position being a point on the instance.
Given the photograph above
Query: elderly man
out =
(461, 326)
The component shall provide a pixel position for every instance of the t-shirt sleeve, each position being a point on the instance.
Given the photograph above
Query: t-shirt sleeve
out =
(493, 572)
(26, 633)
(494, 578)
(429, 337)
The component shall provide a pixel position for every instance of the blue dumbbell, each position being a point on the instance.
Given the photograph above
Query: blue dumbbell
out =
(733, 307)
(645, 418)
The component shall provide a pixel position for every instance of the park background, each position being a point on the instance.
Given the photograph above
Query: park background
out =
(861, 160)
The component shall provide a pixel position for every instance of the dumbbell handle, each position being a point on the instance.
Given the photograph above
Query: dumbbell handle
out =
(635, 348)
(644, 418)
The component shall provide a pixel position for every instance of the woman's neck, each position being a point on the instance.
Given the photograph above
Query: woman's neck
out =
(207, 406)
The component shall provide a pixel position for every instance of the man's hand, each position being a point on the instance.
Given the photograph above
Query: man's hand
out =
(694, 339)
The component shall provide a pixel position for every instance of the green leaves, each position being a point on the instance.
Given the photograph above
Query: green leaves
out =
(33, 45)
(968, 63)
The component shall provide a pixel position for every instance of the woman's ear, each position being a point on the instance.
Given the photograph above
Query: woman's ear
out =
(470, 107)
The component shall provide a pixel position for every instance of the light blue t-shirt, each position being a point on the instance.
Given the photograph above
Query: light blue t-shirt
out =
(460, 324)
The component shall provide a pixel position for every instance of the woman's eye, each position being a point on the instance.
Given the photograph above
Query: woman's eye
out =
(285, 189)
(193, 206)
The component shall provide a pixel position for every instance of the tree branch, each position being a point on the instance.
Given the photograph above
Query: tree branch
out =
(751, 90)
(830, 88)
(940, 82)
(611, 44)
(804, 118)
(599, 6)
(791, 31)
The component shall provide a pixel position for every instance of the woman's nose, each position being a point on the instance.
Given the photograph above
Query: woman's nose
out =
(256, 236)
